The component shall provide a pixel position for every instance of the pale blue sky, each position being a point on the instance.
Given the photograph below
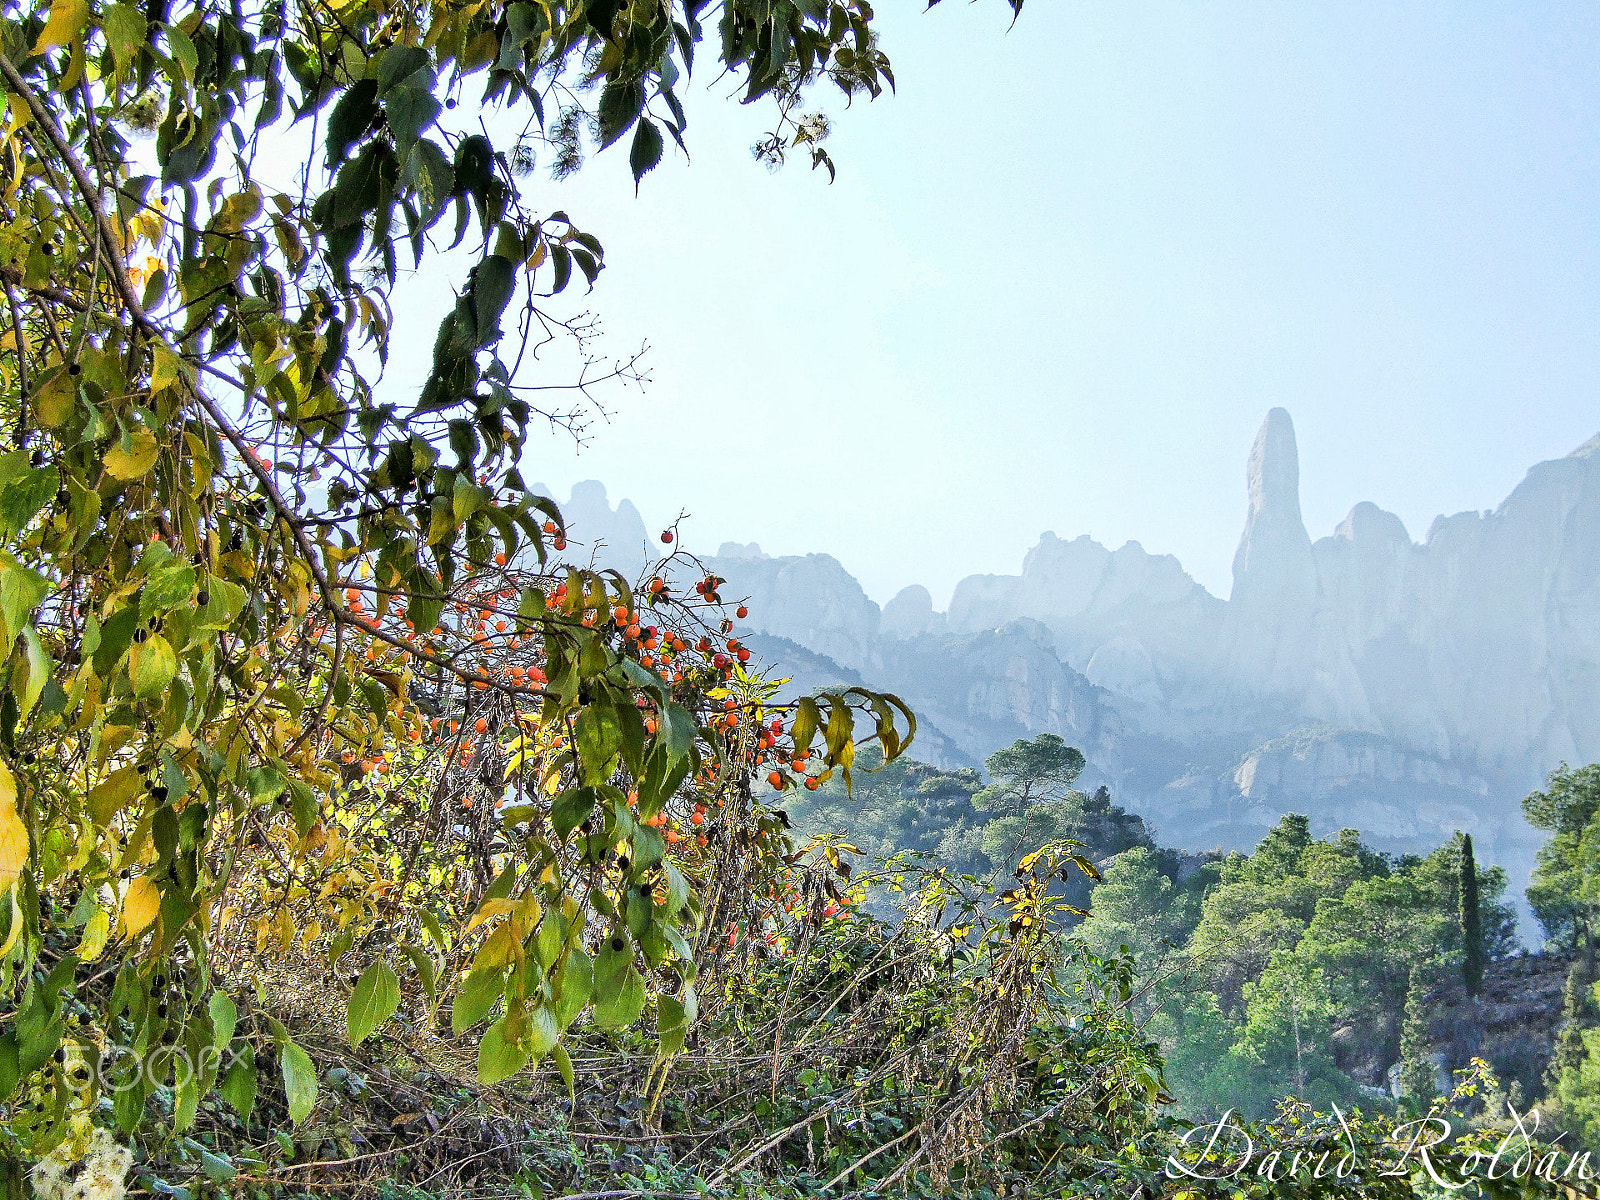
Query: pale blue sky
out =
(1067, 269)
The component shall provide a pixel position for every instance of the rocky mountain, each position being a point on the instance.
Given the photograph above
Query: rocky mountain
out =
(1408, 689)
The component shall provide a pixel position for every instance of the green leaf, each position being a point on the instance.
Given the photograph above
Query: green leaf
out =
(23, 495)
(224, 1018)
(427, 969)
(466, 498)
(564, 1065)
(542, 1035)
(358, 186)
(620, 104)
(499, 1056)
(569, 809)
(217, 1168)
(299, 1080)
(400, 63)
(431, 176)
(373, 1002)
(351, 117)
(645, 154)
(183, 52)
(599, 739)
(32, 672)
(185, 1102)
(265, 784)
(622, 1007)
(224, 602)
(493, 281)
(21, 590)
(126, 30)
(238, 1087)
(167, 588)
(409, 111)
(672, 1024)
(476, 997)
(572, 985)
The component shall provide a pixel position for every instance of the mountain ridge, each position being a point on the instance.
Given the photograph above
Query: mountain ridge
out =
(1421, 686)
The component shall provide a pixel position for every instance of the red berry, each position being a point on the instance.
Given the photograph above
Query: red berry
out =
(741, 612)
(666, 537)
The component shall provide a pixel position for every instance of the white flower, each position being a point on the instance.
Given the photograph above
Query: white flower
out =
(49, 1178)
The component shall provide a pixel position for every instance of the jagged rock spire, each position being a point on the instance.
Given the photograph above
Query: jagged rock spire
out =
(1274, 574)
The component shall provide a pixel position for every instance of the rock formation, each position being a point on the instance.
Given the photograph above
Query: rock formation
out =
(1406, 689)
(600, 536)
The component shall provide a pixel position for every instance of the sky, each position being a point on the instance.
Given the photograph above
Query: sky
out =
(1067, 268)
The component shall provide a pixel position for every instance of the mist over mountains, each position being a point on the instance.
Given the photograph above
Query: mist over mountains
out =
(1406, 689)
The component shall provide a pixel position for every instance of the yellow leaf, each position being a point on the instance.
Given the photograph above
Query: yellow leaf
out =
(141, 906)
(490, 908)
(165, 368)
(95, 932)
(136, 460)
(114, 793)
(13, 833)
(56, 399)
(68, 20)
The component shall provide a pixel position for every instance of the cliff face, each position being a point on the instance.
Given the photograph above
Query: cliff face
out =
(810, 600)
(598, 535)
(1406, 689)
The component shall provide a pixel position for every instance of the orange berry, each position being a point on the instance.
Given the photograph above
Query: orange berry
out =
(811, 783)
(482, 725)
(775, 779)
(699, 818)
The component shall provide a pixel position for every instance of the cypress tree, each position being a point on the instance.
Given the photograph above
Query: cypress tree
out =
(1471, 921)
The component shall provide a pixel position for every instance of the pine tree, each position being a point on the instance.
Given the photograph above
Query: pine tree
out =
(1471, 921)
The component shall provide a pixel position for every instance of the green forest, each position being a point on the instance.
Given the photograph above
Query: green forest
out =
(1309, 969)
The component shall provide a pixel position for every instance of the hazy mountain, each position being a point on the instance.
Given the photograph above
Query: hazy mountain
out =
(1408, 689)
